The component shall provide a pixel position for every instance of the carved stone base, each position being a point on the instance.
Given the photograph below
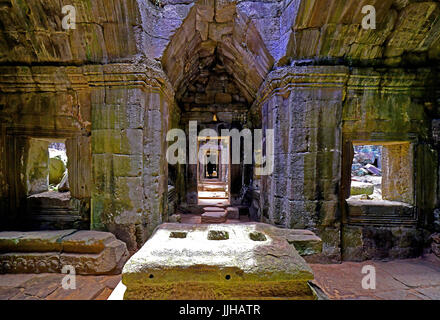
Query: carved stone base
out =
(89, 252)
(225, 261)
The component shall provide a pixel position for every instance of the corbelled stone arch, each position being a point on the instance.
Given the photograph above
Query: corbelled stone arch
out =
(216, 61)
(217, 29)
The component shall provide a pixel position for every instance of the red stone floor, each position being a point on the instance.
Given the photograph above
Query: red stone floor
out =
(411, 279)
(48, 286)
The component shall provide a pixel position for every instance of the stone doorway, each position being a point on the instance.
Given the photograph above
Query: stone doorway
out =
(46, 177)
(214, 169)
(216, 72)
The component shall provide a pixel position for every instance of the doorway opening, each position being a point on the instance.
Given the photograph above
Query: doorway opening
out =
(213, 173)
(47, 181)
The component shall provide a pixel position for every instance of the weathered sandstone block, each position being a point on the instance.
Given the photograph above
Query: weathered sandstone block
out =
(304, 241)
(240, 260)
(214, 217)
(359, 188)
(34, 241)
(233, 213)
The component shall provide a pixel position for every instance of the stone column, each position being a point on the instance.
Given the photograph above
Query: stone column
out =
(117, 145)
(129, 125)
(304, 107)
(155, 169)
(398, 173)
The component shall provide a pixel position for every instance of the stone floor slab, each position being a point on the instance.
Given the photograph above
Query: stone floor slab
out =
(410, 279)
(432, 293)
(412, 273)
(49, 287)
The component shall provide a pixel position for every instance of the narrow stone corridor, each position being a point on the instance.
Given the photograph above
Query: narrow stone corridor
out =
(162, 122)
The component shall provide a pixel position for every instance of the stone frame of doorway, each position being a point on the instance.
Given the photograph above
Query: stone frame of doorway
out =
(78, 182)
(228, 184)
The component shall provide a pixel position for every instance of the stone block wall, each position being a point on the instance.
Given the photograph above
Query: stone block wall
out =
(302, 192)
(384, 107)
(316, 112)
(39, 103)
(114, 120)
(130, 173)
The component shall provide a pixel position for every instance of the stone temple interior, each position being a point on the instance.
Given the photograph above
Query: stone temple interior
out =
(85, 113)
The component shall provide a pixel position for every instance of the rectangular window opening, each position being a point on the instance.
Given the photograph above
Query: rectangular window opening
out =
(382, 172)
(46, 168)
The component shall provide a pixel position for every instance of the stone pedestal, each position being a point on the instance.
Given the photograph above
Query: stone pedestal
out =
(233, 261)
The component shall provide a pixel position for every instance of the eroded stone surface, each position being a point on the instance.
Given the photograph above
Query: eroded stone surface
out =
(195, 267)
(214, 217)
(360, 188)
(233, 213)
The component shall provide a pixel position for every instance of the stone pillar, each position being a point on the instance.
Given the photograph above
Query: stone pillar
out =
(398, 172)
(130, 173)
(304, 107)
(117, 145)
(37, 167)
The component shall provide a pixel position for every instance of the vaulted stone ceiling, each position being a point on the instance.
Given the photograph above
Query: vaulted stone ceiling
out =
(216, 35)
(31, 32)
(408, 31)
